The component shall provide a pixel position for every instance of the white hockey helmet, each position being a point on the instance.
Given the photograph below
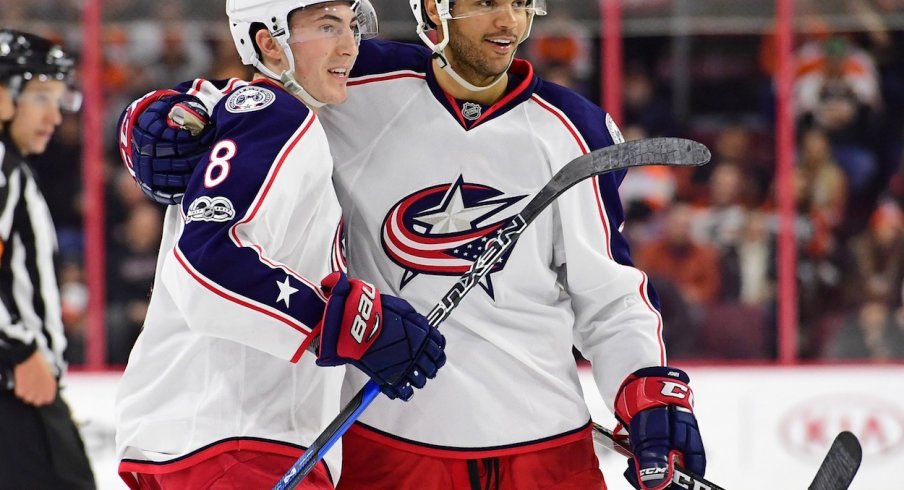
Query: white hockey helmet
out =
(274, 16)
(444, 9)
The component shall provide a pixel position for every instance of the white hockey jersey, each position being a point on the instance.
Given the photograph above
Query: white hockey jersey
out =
(424, 181)
(219, 363)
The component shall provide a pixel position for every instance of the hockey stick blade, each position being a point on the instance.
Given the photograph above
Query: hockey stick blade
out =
(680, 478)
(652, 151)
(840, 465)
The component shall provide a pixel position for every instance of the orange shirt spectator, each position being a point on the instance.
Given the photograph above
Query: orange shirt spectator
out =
(692, 266)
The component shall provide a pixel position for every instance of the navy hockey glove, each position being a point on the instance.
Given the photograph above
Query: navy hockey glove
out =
(655, 404)
(380, 334)
(162, 137)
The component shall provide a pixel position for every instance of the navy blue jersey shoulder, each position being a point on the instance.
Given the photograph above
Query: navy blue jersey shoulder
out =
(378, 56)
(589, 119)
(253, 124)
(260, 109)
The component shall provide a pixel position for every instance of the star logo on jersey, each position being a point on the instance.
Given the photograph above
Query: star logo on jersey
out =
(442, 230)
(285, 291)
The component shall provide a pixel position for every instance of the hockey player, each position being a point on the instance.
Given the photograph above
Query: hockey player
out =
(40, 447)
(217, 391)
(467, 133)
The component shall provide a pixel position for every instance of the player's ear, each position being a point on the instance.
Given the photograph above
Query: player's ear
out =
(271, 52)
(432, 13)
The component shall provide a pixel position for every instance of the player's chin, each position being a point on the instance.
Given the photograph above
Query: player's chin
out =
(332, 94)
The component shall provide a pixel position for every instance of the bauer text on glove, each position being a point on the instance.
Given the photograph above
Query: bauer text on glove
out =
(380, 334)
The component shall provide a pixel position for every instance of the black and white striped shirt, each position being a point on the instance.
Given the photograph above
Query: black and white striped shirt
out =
(30, 311)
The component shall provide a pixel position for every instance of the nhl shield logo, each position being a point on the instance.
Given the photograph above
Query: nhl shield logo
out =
(249, 98)
(471, 111)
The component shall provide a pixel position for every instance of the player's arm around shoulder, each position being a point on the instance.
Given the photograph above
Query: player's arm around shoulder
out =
(245, 209)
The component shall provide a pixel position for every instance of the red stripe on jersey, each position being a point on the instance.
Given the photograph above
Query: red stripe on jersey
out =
(362, 430)
(454, 105)
(565, 122)
(269, 183)
(596, 187)
(646, 300)
(601, 208)
(158, 468)
(337, 255)
(393, 76)
(281, 158)
(526, 70)
(603, 218)
(239, 301)
(402, 210)
(196, 86)
(232, 83)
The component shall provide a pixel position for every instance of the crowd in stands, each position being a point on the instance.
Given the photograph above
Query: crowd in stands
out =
(706, 237)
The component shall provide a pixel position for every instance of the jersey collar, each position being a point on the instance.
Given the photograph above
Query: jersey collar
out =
(469, 114)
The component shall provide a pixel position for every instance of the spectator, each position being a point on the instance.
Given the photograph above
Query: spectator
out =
(131, 264)
(821, 184)
(755, 255)
(837, 90)
(644, 106)
(871, 332)
(692, 266)
(719, 222)
(74, 308)
(878, 256)
(643, 191)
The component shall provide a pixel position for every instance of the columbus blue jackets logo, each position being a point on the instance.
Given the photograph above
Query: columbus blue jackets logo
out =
(249, 98)
(441, 230)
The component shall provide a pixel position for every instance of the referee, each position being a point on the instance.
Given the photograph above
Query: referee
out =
(40, 447)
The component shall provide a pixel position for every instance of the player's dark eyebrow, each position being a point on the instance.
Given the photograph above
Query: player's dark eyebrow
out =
(332, 17)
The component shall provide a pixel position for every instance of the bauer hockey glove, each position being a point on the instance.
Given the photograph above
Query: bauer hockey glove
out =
(380, 334)
(162, 136)
(656, 405)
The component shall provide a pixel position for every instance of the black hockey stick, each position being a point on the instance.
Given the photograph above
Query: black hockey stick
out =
(654, 151)
(838, 469)
(836, 472)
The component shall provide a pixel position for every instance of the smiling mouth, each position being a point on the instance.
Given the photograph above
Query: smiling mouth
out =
(502, 46)
(339, 72)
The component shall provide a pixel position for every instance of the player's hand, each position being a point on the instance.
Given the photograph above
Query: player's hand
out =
(35, 383)
(380, 334)
(656, 405)
(162, 137)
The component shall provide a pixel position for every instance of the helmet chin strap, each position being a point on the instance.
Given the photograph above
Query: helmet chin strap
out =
(439, 54)
(287, 78)
(447, 67)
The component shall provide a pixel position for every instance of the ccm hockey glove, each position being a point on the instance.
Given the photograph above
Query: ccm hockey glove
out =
(162, 136)
(655, 404)
(380, 334)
